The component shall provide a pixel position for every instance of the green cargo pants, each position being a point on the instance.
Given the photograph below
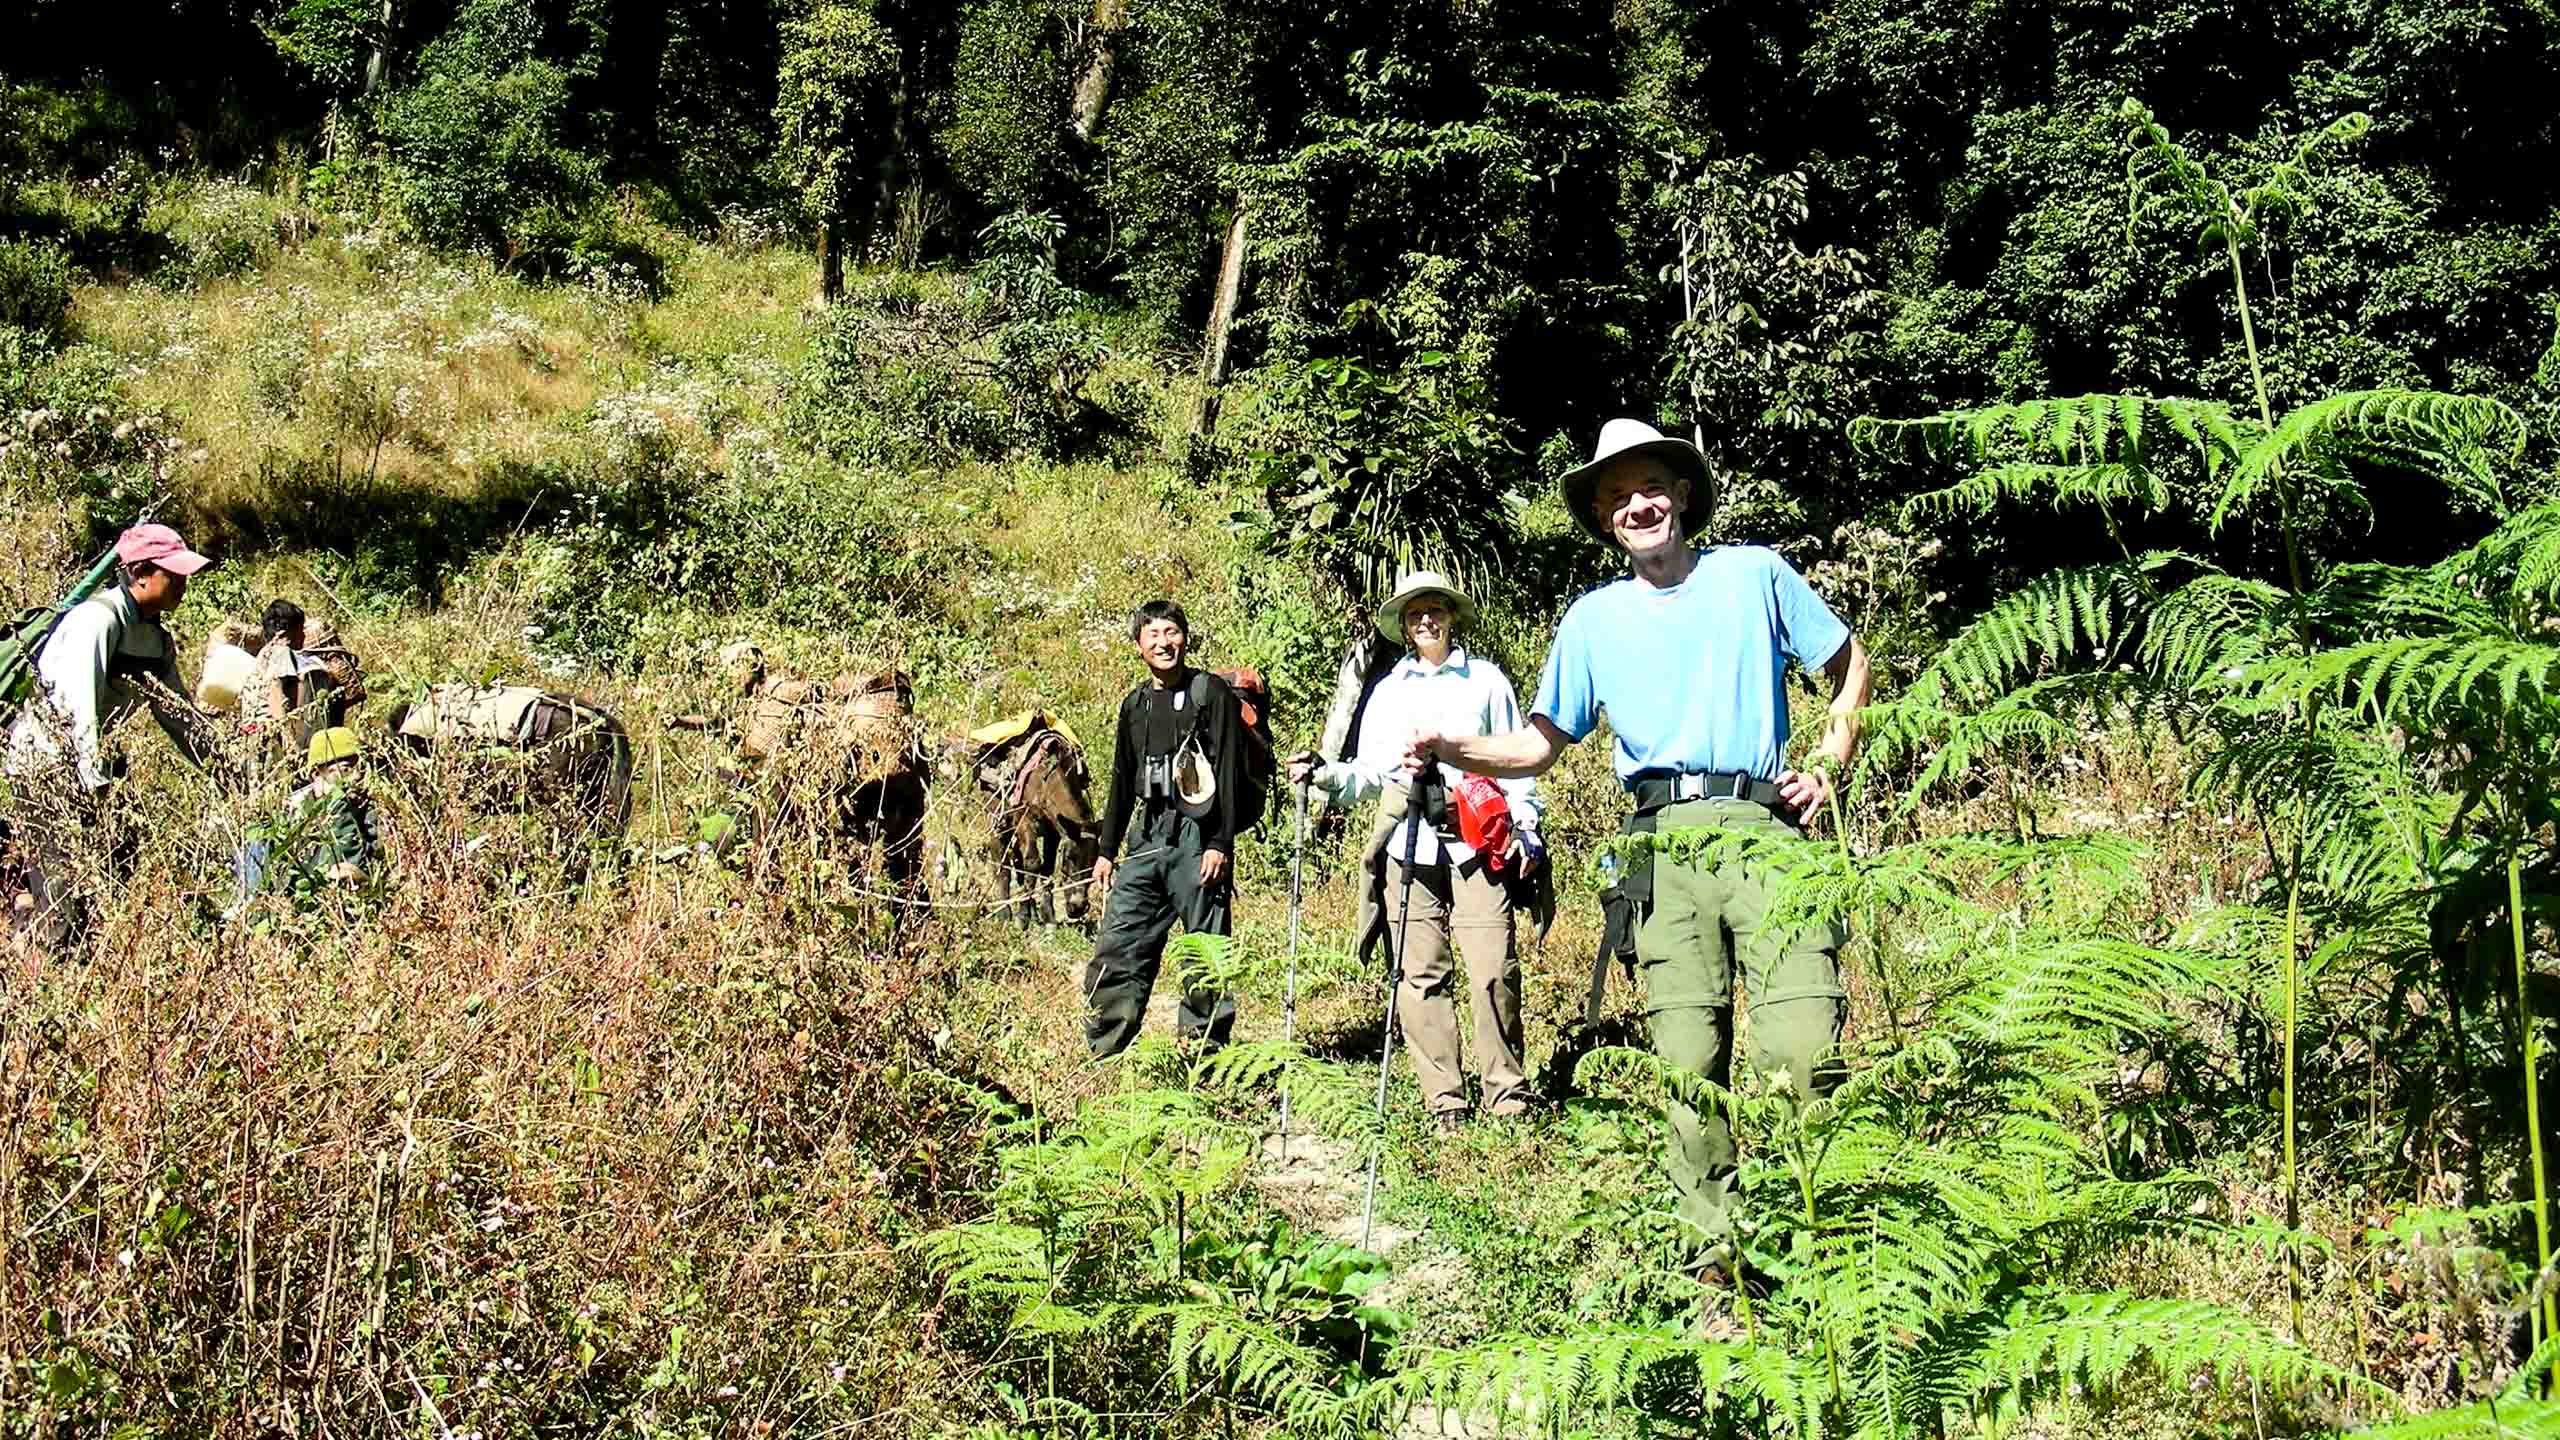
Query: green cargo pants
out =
(1702, 920)
(1158, 884)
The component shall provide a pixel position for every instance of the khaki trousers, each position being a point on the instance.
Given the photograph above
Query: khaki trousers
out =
(1705, 926)
(1464, 905)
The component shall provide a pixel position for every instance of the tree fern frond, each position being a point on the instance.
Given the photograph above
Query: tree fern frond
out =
(2059, 485)
(2458, 439)
(2368, 820)
(1887, 1275)
(1326, 1095)
(2359, 600)
(2196, 636)
(2072, 433)
(1248, 1357)
(2423, 682)
(2481, 1420)
(2070, 614)
(2069, 1000)
(2520, 560)
(989, 1258)
(2533, 1374)
(2097, 1338)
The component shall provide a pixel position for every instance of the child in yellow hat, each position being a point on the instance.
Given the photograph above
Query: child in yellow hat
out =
(327, 832)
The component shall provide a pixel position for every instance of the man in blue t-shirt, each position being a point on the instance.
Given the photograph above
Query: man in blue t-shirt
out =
(1688, 657)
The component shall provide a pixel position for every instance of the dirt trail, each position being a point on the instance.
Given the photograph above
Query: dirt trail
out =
(1319, 1182)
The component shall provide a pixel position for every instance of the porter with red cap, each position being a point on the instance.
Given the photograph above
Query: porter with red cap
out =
(92, 674)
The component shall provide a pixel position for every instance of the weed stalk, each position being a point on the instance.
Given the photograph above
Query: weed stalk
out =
(2545, 1323)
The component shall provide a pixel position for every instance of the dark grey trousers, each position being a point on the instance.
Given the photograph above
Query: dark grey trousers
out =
(1158, 884)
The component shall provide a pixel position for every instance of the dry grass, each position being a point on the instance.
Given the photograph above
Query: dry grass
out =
(387, 368)
(479, 1153)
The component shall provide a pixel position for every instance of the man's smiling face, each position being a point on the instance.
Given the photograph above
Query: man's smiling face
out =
(1640, 499)
(1161, 644)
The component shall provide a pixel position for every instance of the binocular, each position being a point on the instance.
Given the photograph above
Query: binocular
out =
(1155, 782)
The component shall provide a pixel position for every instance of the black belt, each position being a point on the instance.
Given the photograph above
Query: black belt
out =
(1655, 789)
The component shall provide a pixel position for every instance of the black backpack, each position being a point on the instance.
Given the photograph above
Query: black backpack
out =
(1260, 761)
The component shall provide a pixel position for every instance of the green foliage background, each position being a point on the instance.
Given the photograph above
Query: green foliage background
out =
(2133, 393)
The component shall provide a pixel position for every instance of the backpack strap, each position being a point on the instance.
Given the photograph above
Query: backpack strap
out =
(1203, 687)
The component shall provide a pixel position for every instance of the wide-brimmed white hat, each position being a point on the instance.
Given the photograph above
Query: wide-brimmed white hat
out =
(1621, 439)
(1421, 582)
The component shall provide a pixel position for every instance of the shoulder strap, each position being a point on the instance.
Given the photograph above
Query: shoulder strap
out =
(118, 627)
(1204, 688)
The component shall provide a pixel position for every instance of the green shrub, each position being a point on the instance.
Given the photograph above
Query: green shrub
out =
(330, 39)
(478, 145)
(865, 396)
(1044, 343)
(69, 434)
(50, 129)
(35, 288)
(222, 228)
(1366, 471)
(1010, 363)
(653, 530)
(612, 246)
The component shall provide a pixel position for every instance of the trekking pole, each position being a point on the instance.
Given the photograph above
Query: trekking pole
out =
(1289, 1002)
(1415, 810)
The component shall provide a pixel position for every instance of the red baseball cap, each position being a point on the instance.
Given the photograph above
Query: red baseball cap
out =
(159, 545)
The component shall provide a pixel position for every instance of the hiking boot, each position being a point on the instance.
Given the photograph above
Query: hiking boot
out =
(1716, 1324)
(1449, 1122)
(1717, 1275)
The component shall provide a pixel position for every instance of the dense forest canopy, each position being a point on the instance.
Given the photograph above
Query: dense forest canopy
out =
(1892, 206)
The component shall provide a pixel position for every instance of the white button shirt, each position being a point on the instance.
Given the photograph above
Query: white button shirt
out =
(1461, 695)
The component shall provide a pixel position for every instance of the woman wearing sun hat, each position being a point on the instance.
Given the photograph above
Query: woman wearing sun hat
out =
(1459, 894)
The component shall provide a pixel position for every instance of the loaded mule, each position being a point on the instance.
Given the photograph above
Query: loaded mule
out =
(840, 763)
(1033, 777)
(519, 748)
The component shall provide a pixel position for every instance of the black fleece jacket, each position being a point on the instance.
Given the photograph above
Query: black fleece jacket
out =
(1149, 725)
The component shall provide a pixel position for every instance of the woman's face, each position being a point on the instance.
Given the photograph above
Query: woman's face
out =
(1426, 625)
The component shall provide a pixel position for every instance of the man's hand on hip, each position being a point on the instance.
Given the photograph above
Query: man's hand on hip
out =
(1805, 792)
(1213, 866)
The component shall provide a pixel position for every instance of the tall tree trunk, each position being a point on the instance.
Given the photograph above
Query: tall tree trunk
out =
(1222, 319)
(1093, 88)
(377, 66)
(1364, 661)
(830, 262)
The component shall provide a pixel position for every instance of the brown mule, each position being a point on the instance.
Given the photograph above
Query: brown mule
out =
(1044, 826)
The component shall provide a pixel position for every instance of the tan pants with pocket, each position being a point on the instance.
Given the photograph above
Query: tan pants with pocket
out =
(1470, 908)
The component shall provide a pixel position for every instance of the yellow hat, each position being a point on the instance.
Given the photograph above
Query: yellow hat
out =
(335, 743)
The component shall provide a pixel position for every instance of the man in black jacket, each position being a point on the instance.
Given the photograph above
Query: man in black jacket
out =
(1175, 770)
